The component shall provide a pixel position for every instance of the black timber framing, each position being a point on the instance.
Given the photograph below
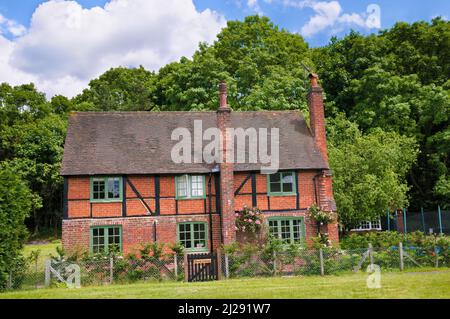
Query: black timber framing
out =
(217, 189)
(65, 197)
(254, 198)
(139, 195)
(124, 196)
(297, 192)
(242, 184)
(157, 195)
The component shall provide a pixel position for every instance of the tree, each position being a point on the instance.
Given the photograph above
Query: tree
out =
(119, 89)
(15, 205)
(368, 171)
(32, 133)
(397, 81)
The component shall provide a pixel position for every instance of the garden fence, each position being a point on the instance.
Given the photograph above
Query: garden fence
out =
(326, 261)
(429, 221)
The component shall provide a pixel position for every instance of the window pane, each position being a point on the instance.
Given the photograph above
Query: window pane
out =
(114, 187)
(199, 236)
(288, 182)
(114, 237)
(184, 231)
(182, 186)
(288, 188)
(376, 224)
(98, 240)
(285, 230)
(98, 188)
(197, 185)
(273, 228)
(275, 187)
(296, 225)
(275, 178)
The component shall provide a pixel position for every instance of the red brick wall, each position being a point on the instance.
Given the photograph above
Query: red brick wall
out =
(79, 205)
(136, 231)
(310, 225)
(305, 186)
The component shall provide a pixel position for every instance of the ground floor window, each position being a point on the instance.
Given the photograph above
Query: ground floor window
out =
(105, 239)
(288, 229)
(193, 236)
(369, 225)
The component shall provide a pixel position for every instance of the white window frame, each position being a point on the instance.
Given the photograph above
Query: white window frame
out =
(369, 225)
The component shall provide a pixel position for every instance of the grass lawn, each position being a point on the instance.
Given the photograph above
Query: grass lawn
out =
(428, 283)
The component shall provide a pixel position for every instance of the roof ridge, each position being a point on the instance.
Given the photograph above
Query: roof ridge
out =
(172, 112)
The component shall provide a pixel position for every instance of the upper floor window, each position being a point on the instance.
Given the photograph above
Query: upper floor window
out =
(190, 186)
(106, 188)
(281, 183)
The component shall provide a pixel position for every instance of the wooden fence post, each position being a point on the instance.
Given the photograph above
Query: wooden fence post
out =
(322, 270)
(274, 263)
(219, 264)
(186, 267)
(436, 260)
(47, 272)
(10, 280)
(227, 272)
(175, 263)
(371, 253)
(400, 248)
(111, 270)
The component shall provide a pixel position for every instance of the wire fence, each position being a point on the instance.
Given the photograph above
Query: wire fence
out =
(429, 221)
(327, 261)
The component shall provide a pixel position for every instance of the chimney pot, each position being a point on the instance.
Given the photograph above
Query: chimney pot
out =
(313, 79)
(223, 104)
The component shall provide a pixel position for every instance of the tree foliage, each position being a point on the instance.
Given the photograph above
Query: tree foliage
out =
(32, 133)
(369, 170)
(15, 205)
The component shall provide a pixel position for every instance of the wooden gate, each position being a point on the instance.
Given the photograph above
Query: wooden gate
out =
(201, 267)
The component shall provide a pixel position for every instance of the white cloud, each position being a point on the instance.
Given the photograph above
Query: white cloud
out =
(67, 45)
(11, 26)
(328, 15)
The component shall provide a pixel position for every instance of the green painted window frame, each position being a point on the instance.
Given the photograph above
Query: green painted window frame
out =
(105, 237)
(282, 193)
(189, 185)
(279, 219)
(105, 180)
(194, 249)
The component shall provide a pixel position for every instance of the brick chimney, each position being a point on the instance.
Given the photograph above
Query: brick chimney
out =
(324, 178)
(317, 115)
(226, 170)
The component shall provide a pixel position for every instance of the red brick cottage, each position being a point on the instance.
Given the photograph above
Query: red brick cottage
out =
(121, 186)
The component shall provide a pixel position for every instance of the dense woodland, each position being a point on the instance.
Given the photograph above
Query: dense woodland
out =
(387, 108)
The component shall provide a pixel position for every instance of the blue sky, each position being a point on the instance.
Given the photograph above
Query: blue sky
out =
(61, 45)
(290, 18)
